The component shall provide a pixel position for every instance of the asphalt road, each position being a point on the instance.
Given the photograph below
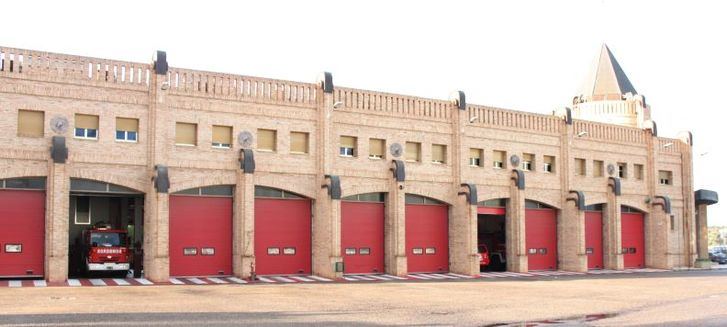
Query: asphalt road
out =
(686, 298)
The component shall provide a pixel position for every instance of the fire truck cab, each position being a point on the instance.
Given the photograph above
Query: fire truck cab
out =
(106, 249)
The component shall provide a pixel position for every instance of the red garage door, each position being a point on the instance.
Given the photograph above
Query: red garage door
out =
(200, 234)
(632, 238)
(282, 233)
(362, 234)
(22, 227)
(427, 235)
(540, 237)
(594, 239)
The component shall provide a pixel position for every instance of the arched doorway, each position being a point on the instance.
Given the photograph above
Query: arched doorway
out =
(632, 237)
(200, 232)
(427, 235)
(362, 233)
(282, 232)
(22, 227)
(541, 236)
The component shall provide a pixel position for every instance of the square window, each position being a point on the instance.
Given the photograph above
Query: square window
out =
(542, 251)
(665, 177)
(347, 146)
(439, 153)
(430, 250)
(549, 164)
(189, 251)
(186, 134)
(580, 167)
(221, 137)
(31, 123)
(298, 142)
(589, 250)
(13, 248)
(289, 251)
(639, 171)
(126, 129)
(597, 168)
(413, 152)
(532, 251)
(622, 173)
(267, 140)
(364, 251)
(207, 251)
(350, 251)
(86, 126)
(417, 251)
(273, 251)
(82, 210)
(528, 163)
(498, 159)
(475, 158)
(377, 148)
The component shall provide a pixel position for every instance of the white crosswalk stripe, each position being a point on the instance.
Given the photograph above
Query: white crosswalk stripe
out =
(196, 281)
(459, 276)
(419, 276)
(266, 280)
(236, 280)
(380, 277)
(302, 279)
(74, 282)
(445, 276)
(217, 280)
(97, 282)
(283, 279)
(15, 283)
(352, 278)
(143, 281)
(394, 277)
(39, 283)
(176, 281)
(320, 279)
(121, 282)
(366, 278)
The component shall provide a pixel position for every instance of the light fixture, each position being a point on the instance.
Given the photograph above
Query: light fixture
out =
(165, 85)
(582, 133)
(337, 105)
(668, 144)
(473, 118)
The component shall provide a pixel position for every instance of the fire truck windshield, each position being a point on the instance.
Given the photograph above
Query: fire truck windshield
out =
(107, 239)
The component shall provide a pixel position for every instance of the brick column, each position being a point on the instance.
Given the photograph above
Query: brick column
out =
(394, 230)
(463, 238)
(56, 221)
(612, 256)
(243, 225)
(517, 256)
(702, 238)
(657, 237)
(571, 238)
(156, 235)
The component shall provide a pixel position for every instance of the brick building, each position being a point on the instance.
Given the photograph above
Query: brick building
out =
(219, 174)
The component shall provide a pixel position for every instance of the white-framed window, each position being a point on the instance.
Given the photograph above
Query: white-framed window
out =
(498, 159)
(86, 127)
(377, 148)
(549, 164)
(82, 213)
(439, 153)
(622, 172)
(475, 158)
(347, 147)
(221, 137)
(528, 162)
(665, 177)
(580, 166)
(413, 152)
(186, 134)
(127, 129)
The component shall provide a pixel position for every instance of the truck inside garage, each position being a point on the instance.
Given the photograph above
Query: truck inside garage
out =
(105, 229)
(22, 227)
(491, 235)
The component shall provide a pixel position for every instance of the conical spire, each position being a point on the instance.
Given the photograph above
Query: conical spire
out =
(606, 80)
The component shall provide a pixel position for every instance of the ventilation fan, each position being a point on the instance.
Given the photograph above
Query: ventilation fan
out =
(59, 125)
(245, 139)
(395, 149)
(514, 160)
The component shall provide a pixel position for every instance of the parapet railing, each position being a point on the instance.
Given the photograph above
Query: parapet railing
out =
(594, 130)
(392, 104)
(497, 117)
(238, 87)
(37, 65)
(669, 145)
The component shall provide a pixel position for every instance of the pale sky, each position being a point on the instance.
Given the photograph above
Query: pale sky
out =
(523, 55)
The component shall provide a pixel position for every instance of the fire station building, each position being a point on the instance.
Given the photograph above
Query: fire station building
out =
(216, 174)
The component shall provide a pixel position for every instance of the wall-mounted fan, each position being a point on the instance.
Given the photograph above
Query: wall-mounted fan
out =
(245, 139)
(514, 160)
(396, 150)
(59, 125)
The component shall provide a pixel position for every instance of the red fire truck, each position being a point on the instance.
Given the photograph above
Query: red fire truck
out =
(106, 249)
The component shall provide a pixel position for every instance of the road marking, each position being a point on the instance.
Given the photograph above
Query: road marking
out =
(459, 276)
(143, 281)
(394, 277)
(301, 278)
(263, 279)
(236, 280)
(121, 282)
(15, 283)
(446, 276)
(97, 282)
(352, 278)
(39, 283)
(320, 279)
(380, 277)
(283, 279)
(196, 281)
(367, 278)
(74, 282)
(419, 277)
(434, 276)
(176, 281)
(217, 280)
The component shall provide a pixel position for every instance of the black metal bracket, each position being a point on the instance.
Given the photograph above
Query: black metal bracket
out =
(666, 203)
(160, 64)
(519, 177)
(568, 116)
(580, 199)
(615, 184)
(706, 197)
(327, 82)
(460, 100)
(58, 149)
(651, 126)
(471, 193)
(334, 186)
(161, 178)
(399, 170)
(247, 161)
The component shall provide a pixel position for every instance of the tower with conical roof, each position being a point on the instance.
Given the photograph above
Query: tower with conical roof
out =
(608, 96)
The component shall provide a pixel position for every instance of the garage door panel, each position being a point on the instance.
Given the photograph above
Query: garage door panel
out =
(22, 221)
(282, 224)
(427, 238)
(541, 239)
(362, 227)
(632, 239)
(594, 239)
(202, 226)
